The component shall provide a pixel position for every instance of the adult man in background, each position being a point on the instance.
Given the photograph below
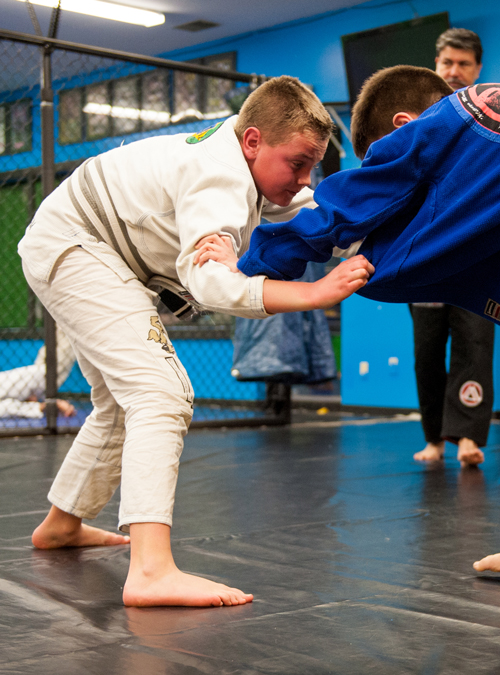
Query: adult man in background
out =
(455, 405)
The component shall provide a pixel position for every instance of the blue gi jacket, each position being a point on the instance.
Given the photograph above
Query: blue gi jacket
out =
(426, 201)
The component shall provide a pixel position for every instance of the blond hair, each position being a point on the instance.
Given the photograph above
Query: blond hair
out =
(281, 107)
(407, 89)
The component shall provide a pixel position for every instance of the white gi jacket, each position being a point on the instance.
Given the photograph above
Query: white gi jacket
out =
(142, 207)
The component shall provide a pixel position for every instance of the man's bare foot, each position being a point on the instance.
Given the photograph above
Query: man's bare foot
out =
(433, 452)
(491, 562)
(469, 453)
(176, 588)
(61, 529)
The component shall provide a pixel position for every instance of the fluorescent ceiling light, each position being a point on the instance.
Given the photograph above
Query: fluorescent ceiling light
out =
(106, 10)
(159, 116)
(127, 113)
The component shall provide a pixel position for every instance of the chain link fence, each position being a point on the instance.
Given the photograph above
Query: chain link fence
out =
(61, 103)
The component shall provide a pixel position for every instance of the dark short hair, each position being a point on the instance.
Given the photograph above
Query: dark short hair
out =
(460, 38)
(391, 90)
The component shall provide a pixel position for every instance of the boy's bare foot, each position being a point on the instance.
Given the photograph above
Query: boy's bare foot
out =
(469, 453)
(491, 562)
(433, 452)
(64, 407)
(178, 588)
(154, 579)
(61, 529)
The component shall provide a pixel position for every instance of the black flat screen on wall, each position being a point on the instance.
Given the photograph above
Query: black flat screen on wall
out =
(407, 43)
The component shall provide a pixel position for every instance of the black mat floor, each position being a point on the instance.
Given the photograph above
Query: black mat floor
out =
(360, 561)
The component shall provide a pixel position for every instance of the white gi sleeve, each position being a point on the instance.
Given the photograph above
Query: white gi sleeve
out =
(220, 202)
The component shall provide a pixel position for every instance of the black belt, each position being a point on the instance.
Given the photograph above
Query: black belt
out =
(177, 305)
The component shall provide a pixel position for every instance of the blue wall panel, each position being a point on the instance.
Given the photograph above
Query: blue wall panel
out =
(377, 354)
(381, 335)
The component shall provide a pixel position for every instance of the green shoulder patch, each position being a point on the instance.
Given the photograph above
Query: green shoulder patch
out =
(200, 136)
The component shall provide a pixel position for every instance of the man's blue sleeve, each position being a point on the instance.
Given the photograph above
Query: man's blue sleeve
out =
(351, 204)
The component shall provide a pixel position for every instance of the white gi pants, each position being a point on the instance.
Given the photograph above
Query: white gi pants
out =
(141, 393)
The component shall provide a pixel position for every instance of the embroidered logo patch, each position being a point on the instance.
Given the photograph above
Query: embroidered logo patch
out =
(492, 309)
(482, 101)
(202, 135)
(471, 394)
(158, 334)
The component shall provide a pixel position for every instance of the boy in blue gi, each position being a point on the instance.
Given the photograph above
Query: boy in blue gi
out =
(412, 209)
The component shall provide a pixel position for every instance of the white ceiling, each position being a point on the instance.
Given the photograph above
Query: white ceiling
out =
(234, 18)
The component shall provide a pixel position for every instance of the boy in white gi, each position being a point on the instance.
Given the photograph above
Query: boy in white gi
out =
(130, 218)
